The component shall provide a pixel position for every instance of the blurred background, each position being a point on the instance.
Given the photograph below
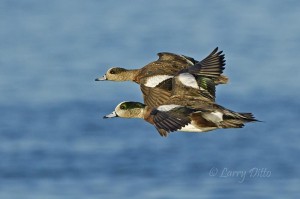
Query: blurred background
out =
(55, 144)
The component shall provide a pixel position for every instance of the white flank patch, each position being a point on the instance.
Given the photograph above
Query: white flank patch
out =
(188, 80)
(167, 107)
(218, 114)
(214, 116)
(155, 80)
(192, 128)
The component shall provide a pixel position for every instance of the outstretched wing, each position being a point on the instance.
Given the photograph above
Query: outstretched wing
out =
(212, 66)
(171, 120)
(200, 79)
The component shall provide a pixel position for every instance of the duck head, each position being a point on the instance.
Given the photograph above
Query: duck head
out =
(128, 110)
(117, 74)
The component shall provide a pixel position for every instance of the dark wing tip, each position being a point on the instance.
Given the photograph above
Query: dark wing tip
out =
(215, 50)
(211, 66)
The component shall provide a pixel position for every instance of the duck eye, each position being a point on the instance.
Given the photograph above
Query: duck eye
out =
(122, 107)
(112, 72)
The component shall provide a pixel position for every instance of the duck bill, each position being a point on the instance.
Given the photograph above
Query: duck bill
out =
(111, 115)
(101, 78)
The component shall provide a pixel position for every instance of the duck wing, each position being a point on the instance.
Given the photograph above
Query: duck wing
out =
(200, 79)
(194, 61)
(212, 66)
(171, 120)
(156, 96)
(186, 84)
(209, 87)
(185, 60)
(162, 132)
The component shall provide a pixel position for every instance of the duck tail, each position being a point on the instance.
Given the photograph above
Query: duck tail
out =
(232, 123)
(237, 120)
(248, 117)
(221, 80)
(243, 117)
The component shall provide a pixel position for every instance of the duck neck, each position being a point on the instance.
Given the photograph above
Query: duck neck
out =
(130, 75)
(140, 113)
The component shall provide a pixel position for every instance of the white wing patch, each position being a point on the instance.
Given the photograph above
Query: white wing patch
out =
(188, 80)
(167, 107)
(155, 80)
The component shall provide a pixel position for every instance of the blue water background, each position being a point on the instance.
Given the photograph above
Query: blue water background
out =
(55, 144)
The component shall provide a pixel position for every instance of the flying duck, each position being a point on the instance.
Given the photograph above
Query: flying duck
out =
(202, 117)
(155, 79)
(187, 109)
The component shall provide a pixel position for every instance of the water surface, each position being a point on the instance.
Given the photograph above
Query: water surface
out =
(54, 143)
